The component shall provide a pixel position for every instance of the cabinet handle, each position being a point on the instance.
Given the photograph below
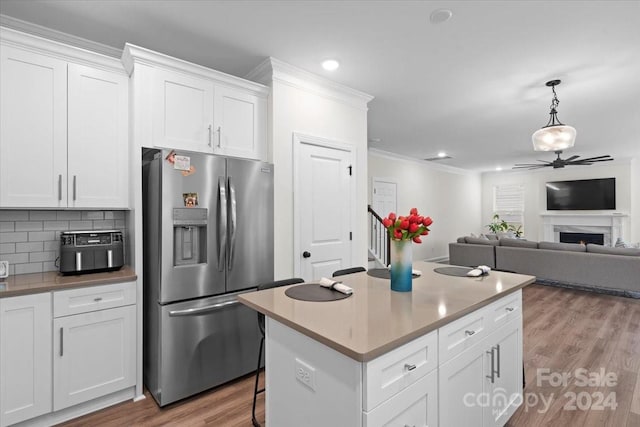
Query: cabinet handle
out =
(469, 333)
(209, 135)
(97, 299)
(74, 188)
(498, 351)
(61, 342)
(492, 363)
(219, 137)
(510, 309)
(409, 367)
(59, 187)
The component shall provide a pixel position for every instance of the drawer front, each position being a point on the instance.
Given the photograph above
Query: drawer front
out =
(462, 334)
(416, 406)
(392, 372)
(505, 310)
(83, 300)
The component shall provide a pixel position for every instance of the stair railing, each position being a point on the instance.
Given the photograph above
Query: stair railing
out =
(379, 241)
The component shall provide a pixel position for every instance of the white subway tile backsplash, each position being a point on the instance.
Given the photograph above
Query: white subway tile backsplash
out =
(7, 226)
(28, 225)
(106, 224)
(92, 215)
(7, 248)
(52, 245)
(16, 258)
(30, 240)
(42, 215)
(29, 247)
(49, 266)
(42, 256)
(80, 225)
(56, 225)
(41, 236)
(14, 215)
(12, 237)
(69, 215)
(34, 267)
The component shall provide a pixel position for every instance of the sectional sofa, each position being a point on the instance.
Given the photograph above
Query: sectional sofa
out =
(590, 267)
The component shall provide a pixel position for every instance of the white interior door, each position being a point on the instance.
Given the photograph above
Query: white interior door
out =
(384, 197)
(323, 207)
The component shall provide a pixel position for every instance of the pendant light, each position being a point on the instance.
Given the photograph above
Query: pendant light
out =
(555, 136)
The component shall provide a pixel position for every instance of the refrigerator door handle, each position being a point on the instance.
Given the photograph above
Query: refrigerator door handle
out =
(222, 223)
(202, 310)
(232, 202)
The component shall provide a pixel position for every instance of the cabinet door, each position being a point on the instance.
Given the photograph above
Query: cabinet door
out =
(98, 138)
(25, 357)
(182, 112)
(416, 405)
(240, 123)
(33, 130)
(463, 387)
(506, 390)
(93, 355)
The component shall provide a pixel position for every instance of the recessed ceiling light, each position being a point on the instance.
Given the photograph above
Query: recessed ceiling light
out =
(441, 15)
(498, 168)
(442, 154)
(330, 65)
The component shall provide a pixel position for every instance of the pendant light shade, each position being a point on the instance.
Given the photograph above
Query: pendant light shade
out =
(555, 136)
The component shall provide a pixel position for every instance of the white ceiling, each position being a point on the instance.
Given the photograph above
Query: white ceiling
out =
(472, 86)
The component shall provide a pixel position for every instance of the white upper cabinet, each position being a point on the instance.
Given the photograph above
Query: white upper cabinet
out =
(188, 107)
(64, 126)
(182, 111)
(240, 120)
(98, 138)
(33, 130)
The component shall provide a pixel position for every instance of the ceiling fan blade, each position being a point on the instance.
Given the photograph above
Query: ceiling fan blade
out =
(529, 166)
(588, 159)
(600, 160)
(543, 161)
(571, 158)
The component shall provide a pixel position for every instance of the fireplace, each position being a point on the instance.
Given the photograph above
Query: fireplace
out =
(611, 225)
(584, 238)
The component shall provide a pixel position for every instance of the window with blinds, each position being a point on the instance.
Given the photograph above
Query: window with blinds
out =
(508, 202)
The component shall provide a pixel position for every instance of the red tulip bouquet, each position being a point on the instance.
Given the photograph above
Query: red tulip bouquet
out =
(407, 227)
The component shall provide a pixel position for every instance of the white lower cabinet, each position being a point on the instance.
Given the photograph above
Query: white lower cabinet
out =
(25, 357)
(483, 385)
(93, 355)
(60, 349)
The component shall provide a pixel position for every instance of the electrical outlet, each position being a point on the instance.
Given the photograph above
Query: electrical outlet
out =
(306, 374)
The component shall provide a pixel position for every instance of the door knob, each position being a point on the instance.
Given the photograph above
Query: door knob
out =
(306, 254)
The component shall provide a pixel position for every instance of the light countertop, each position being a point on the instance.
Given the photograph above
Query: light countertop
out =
(375, 320)
(33, 283)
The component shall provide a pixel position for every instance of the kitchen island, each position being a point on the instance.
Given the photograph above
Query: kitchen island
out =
(448, 353)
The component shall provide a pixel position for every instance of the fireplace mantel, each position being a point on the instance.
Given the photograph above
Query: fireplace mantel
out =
(613, 225)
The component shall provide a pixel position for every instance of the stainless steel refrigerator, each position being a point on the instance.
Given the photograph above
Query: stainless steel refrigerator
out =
(208, 236)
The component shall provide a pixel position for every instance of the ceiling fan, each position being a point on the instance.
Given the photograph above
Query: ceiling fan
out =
(560, 163)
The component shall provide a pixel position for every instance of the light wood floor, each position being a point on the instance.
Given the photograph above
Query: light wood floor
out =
(563, 330)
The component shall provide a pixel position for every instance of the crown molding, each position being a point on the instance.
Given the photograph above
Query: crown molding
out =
(435, 166)
(273, 70)
(132, 55)
(58, 36)
(42, 46)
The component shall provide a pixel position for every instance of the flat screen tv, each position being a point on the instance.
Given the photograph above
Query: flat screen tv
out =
(584, 194)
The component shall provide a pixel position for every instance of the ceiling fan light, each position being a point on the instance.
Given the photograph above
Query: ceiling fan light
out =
(554, 138)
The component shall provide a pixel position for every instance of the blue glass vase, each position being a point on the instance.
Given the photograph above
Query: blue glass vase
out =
(401, 265)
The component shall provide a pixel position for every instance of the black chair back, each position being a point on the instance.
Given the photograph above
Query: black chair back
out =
(275, 284)
(348, 271)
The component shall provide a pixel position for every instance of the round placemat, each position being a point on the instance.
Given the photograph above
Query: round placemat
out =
(314, 292)
(453, 271)
(383, 273)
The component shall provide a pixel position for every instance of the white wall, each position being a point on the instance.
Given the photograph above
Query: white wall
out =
(295, 109)
(535, 193)
(451, 197)
(635, 200)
